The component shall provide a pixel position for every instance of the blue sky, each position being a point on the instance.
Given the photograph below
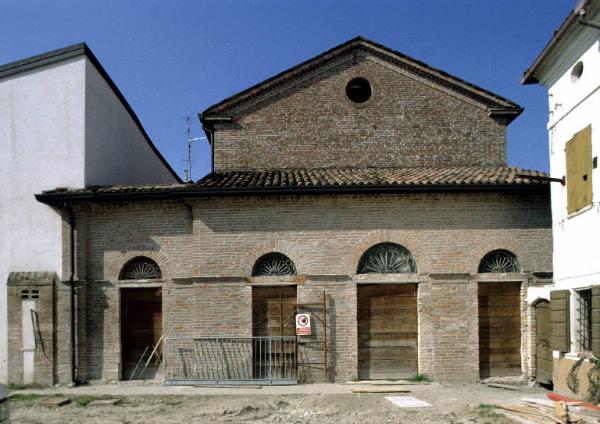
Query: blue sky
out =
(172, 59)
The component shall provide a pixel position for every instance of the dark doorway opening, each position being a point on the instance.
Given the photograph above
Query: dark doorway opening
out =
(141, 330)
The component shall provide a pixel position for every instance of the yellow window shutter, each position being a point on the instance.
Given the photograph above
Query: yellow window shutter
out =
(579, 170)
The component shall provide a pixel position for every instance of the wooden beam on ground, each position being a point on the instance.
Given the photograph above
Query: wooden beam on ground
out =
(380, 389)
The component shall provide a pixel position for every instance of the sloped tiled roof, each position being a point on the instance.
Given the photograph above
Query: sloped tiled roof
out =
(307, 181)
(356, 177)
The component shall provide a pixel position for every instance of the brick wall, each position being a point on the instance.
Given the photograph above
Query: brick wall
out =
(206, 250)
(450, 337)
(406, 123)
(340, 299)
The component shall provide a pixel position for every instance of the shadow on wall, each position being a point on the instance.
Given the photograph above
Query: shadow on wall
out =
(416, 211)
(332, 340)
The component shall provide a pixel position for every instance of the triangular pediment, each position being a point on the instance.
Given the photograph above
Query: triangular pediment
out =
(356, 50)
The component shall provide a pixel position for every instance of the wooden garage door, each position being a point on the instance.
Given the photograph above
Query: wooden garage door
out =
(273, 315)
(499, 329)
(141, 328)
(273, 311)
(387, 331)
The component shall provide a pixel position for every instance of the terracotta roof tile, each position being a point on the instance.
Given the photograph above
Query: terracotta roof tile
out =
(352, 177)
(305, 180)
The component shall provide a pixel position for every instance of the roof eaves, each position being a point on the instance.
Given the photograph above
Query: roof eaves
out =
(529, 76)
(62, 197)
(575, 26)
(43, 59)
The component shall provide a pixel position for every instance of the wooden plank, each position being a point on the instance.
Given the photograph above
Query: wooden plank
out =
(380, 389)
(408, 342)
(500, 300)
(503, 350)
(501, 289)
(506, 311)
(369, 290)
(55, 401)
(387, 331)
(502, 386)
(499, 331)
(499, 328)
(383, 312)
(380, 367)
(497, 358)
(387, 326)
(389, 353)
(499, 342)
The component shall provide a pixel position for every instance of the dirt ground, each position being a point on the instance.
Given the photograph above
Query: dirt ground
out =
(293, 404)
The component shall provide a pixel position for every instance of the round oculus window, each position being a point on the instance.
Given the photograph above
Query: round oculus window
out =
(577, 71)
(358, 90)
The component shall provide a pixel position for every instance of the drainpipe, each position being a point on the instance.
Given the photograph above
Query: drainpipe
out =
(72, 287)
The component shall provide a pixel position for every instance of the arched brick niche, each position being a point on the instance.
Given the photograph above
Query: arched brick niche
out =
(274, 246)
(379, 237)
(114, 265)
(481, 249)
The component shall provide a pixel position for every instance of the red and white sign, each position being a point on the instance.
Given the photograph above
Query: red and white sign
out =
(303, 325)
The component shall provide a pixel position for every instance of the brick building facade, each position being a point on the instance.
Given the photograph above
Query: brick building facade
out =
(360, 154)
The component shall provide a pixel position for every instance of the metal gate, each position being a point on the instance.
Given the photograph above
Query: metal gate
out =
(230, 360)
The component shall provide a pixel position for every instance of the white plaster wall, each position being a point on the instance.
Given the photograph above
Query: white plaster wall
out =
(573, 106)
(42, 140)
(535, 293)
(61, 125)
(116, 151)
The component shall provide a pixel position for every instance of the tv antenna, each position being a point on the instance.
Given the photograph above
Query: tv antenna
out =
(190, 141)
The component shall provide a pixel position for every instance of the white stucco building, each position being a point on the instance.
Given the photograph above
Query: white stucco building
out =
(63, 123)
(569, 66)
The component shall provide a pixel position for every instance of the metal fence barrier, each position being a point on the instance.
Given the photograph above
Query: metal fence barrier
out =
(230, 360)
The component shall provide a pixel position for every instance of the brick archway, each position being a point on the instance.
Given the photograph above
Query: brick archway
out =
(378, 237)
(278, 246)
(115, 264)
(495, 243)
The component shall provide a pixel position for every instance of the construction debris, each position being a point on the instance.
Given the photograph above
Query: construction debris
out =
(502, 386)
(380, 389)
(389, 382)
(55, 402)
(548, 411)
(407, 402)
(103, 402)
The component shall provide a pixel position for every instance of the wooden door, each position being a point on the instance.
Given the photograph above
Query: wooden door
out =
(499, 329)
(141, 328)
(273, 315)
(387, 331)
(543, 353)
